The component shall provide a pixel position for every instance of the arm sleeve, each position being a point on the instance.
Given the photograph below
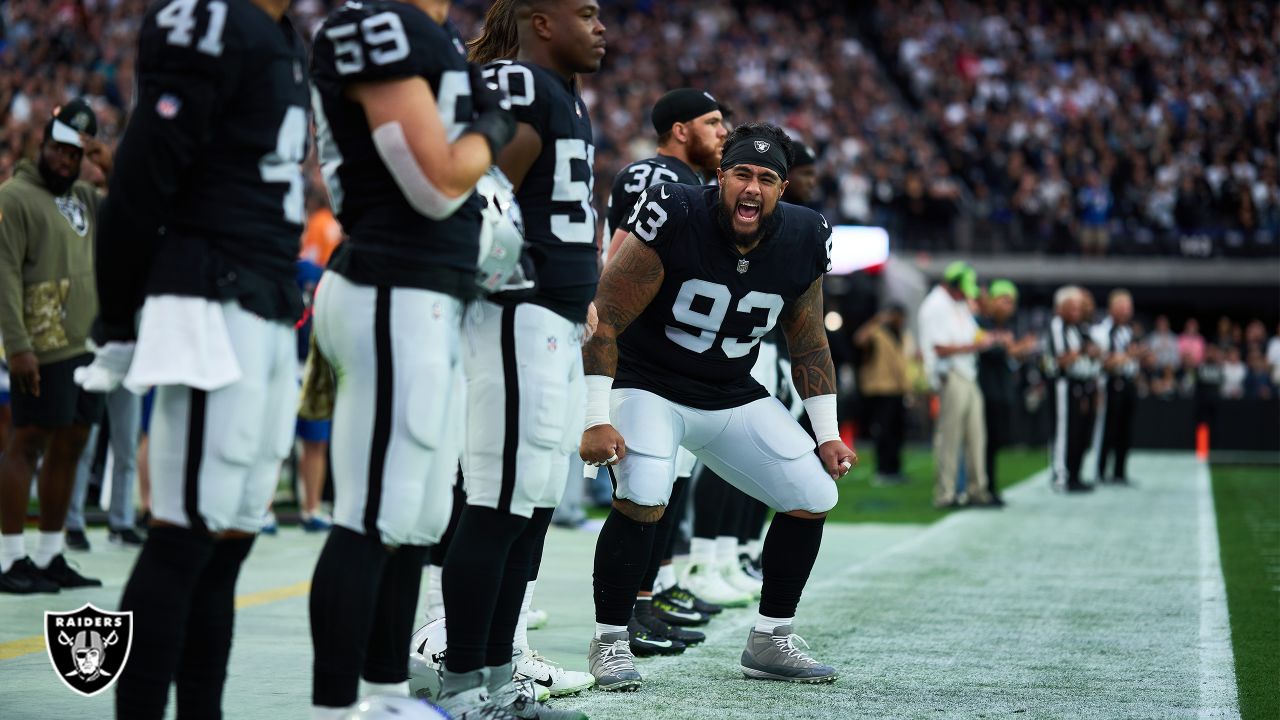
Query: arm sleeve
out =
(180, 96)
(658, 215)
(13, 251)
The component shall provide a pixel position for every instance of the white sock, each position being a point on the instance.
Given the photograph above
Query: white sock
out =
(764, 623)
(435, 592)
(666, 578)
(754, 547)
(12, 549)
(319, 712)
(727, 550)
(601, 629)
(521, 640)
(400, 689)
(702, 551)
(48, 547)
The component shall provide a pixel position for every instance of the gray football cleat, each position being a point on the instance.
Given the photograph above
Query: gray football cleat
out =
(612, 663)
(778, 656)
(465, 696)
(517, 695)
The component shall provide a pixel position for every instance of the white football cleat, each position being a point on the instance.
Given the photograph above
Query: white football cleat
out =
(536, 618)
(735, 576)
(547, 674)
(709, 584)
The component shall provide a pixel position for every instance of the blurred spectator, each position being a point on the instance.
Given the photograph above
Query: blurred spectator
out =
(1163, 345)
(1095, 212)
(1257, 378)
(883, 382)
(1233, 374)
(1273, 356)
(1191, 344)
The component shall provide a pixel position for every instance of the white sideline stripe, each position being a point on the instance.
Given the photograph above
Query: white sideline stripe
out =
(1217, 661)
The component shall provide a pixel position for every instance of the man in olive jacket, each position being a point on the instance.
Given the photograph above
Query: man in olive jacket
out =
(48, 301)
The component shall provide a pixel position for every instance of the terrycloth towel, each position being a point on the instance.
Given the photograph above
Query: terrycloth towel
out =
(182, 341)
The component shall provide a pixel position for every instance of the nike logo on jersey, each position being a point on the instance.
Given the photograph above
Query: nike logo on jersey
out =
(824, 221)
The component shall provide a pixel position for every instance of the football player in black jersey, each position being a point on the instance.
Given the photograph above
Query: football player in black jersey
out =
(703, 273)
(525, 401)
(406, 128)
(691, 132)
(200, 231)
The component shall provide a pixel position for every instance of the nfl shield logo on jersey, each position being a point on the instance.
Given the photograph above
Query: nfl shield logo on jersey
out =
(762, 146)
(552, 344)
(88, 647)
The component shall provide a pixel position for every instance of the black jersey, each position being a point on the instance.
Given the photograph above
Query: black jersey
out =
(557, 195)
(640, 176)
(389, 242)
(697, 340)
(211, 160)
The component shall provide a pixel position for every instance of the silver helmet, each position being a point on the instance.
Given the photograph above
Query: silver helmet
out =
(426, 659)
(501, 236)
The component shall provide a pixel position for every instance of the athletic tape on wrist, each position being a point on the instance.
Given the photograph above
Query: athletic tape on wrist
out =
(598, 388)
(822, 415)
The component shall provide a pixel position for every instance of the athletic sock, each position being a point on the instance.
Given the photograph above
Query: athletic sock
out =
(473, 583)
(498, 677)
(766, 624)
(202, 672)
(344, 595)
(159, 594)
(790, 549)
(727, 550)
(644, 606)
(387, 658)
(622, 556)
(435, 592)
(602, 628)
(521, 639)
(678, 509)
(534, 536)
(399, 689)
(702, 551)
(48, 547)
(666, 578)
(12, 549)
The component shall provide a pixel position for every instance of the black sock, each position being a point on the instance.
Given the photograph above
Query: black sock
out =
(521, 566)
(343, 600)
(790, 549)
(709, 494)
(203, 669)
(662, 538)
(473, 573)
(622, 557)
(388, 654)
(159, 593)
(752, 521)
(734, 505)
(441, 549)
(677, 508)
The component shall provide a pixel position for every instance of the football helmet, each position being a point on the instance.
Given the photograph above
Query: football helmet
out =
(501, 237)
(426, 659)
(392, 707)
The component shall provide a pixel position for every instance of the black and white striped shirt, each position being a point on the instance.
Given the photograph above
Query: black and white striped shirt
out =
(1113, 338)
(1065, 338)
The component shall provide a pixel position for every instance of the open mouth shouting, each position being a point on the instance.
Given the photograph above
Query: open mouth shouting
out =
(748, 211)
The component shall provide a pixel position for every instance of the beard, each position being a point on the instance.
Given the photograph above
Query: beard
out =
(57, 184)
(703, 156)
(764, 228)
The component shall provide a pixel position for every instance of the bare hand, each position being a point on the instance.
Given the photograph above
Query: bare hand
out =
(592, 320)
(24, 371)
(837, 458)
(97, 152)
(602, 445)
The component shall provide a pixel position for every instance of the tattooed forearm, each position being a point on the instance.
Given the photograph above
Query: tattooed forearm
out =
(811, 365)
(630, 280)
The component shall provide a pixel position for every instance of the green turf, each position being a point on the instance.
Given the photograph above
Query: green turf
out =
(1248, 505)
(863, 501)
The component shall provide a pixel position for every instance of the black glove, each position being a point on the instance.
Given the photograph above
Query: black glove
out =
(493, 120)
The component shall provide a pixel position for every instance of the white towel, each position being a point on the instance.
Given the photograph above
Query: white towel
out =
(182, 341)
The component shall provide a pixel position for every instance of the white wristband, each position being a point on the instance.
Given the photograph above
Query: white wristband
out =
(598, 387)
(822, 416)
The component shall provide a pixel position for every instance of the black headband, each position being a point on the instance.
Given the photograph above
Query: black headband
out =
(760, 150)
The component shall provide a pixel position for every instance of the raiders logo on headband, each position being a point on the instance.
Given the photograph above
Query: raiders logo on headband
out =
(762, 146)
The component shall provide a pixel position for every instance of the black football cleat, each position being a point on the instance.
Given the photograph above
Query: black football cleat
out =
(646, 643)
(65, 576)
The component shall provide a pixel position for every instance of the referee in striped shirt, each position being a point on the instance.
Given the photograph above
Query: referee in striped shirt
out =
(1072, 365)
(1114, 338)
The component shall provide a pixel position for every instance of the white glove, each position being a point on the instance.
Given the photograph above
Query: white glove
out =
(110, 365)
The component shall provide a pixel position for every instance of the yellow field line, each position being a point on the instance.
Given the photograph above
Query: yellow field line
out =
(35, 644)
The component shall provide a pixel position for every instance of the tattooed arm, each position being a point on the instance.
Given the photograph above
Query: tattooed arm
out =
(630, 281)
(815, 377)
(811, 366)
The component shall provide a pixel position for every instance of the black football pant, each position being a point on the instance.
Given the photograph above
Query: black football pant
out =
(1073, 428)
(1118, 426)
(999, 419)
(888, 417)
